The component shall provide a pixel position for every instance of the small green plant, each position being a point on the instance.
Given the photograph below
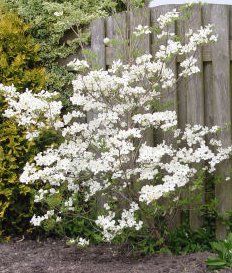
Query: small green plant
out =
(223, 249)
(183, 240)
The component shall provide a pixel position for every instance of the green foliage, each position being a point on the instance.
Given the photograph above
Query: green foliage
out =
(63, 35)
(19, 65)
(19, 54)
(223, 249)
(183, 240)
(15, 204)
(77, 223)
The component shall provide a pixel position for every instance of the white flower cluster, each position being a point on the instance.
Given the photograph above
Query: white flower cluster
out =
(189, 67)
(141, 30)
(78, 65)
(37, 220)
(105, 150)
(202, 36)
(164, 120)
(112, 227)
(179, 170)
(169, 17)
(81, 242)
(58, 13)
(27, 108)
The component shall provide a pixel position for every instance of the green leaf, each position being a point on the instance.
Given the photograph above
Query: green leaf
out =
(216, 263)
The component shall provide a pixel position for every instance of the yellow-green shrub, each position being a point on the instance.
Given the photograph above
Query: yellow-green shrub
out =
(19, 65)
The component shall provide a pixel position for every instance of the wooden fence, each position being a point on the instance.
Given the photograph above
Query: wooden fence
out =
(204, 98)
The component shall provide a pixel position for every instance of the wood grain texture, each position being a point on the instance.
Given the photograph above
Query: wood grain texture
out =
(117, 30)
(195, 105)
(98, 32)
(208, 106)
(142, 45)
(222, 103)
(139, 46)
(97, 44)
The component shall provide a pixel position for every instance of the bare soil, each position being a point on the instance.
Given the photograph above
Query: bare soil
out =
(54, 256)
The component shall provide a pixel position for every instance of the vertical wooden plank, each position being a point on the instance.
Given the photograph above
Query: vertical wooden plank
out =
(98, 32)
(140, 45)
(182, 86)
(97, 44)
(195, 105)
(209, 187)
(208, 107)
(140, 17)
(98, 48)
(110, 31)
(170, 96)
(195, 91)
(222, 104)
(208, 86)
(117, 29)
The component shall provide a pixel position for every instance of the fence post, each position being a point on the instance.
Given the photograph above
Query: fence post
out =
(98, 49)
(98, 32)
(143, 45)
(222, 105)
(195, 107)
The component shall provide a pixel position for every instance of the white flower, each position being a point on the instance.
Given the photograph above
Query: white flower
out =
(37, 220)
(141, 30)
(71, 242)
(106, 41)
(58, 13)
(82, 242)
(58, 219)
(106, 206)
(168, 18)
(189, 66)
(77, 65)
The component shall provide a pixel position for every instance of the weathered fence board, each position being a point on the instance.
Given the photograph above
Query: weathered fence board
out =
(97, 45)
(141, 46)
(222, 103)
(116, 29)
(195, 100)
(98, 49)
(140, 17)
(205, 98)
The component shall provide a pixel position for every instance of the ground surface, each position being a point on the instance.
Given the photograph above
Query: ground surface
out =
(56, 257)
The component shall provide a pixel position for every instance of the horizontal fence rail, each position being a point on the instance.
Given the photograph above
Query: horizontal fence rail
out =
(203, 99)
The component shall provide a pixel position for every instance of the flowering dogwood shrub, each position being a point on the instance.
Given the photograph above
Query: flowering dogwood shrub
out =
(107, 155)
